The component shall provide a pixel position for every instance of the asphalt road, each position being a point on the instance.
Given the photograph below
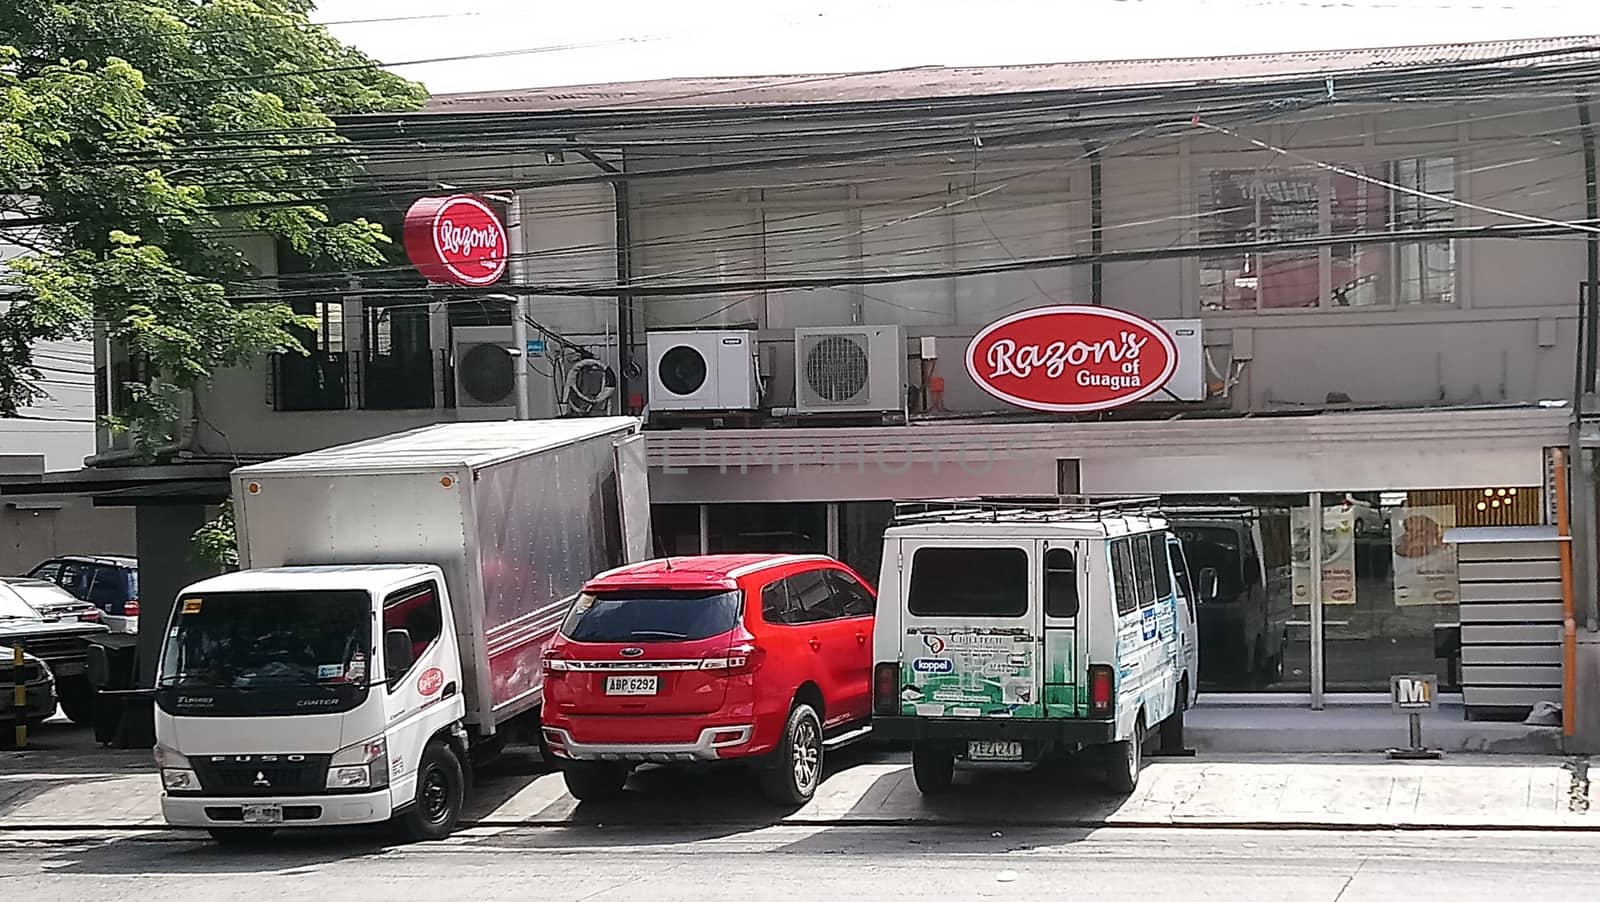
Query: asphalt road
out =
(791, 863)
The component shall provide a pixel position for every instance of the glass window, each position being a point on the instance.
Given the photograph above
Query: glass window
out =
(415, 610)
(1123, 583)
(969, 582)
(776, 528)
(262, 640)
(652, 615)
(775, 601)
(855, 599)
(1144, 570)
(50, 571)
(812, 599)
(1241, 206)
(1180, 571)
(1060, 583)
(1158, 550)
(861, 526)
(675, 529)
(76, 578)
(108, 588)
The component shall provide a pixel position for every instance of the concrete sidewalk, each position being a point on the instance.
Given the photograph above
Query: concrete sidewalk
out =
(1290, 791)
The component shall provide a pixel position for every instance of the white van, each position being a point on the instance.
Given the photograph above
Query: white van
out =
(1008, 632)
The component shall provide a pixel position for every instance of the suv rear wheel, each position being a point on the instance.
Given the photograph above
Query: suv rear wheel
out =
(796, 767)
(594, 781)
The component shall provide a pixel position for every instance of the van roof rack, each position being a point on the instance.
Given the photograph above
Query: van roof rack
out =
(1024, 509)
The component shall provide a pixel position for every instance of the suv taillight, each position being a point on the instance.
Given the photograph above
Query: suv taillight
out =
(1101, 684)
(746, 657)
(886, 688)
(554, 664)
(130, 608)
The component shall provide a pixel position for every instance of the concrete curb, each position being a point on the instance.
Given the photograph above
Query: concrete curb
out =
(981, 823)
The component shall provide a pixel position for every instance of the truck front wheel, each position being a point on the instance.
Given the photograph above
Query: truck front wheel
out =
(441, 792)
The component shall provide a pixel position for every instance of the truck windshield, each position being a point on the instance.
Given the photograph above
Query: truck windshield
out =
(267, 653)
(659, 615)
(1215, 548)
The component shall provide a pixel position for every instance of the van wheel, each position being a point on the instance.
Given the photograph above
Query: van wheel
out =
(796, 767)
(934, 767)
(1171, 738)
(1123, 760)
(441, 792)
(594, 781)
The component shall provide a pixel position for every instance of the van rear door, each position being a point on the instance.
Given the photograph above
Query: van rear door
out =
(973, 631)
(1063, 589)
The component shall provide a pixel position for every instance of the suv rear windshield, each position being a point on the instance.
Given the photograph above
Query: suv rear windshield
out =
(969, 582)
(652, 615)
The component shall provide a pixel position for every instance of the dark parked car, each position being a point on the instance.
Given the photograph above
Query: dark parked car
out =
(39, 703)
(60, 642)
(109, 583)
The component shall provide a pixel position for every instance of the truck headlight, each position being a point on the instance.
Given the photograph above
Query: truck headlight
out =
(364, 765)
(178, 779)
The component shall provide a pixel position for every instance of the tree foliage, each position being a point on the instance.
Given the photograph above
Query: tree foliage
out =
(141, 142)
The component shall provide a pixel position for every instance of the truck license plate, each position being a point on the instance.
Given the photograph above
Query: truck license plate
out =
(631, 685)
(263, 814)
(994, 751)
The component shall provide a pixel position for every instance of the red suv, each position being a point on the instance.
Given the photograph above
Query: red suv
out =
(757, 657)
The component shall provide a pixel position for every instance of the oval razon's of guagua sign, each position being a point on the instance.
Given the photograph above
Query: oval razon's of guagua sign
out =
(1072, 359)
(431, 681)
(456, 240)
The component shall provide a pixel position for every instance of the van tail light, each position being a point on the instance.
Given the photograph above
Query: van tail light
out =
(886, 688)
(1101, 684)
(130, 608)
(554, 664)
(746, 657)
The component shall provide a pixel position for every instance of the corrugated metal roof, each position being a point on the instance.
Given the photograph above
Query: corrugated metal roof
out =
(932, 82)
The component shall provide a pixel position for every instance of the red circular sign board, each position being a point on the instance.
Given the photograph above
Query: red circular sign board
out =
(431, 681)
(1072, 359)
(456, 240)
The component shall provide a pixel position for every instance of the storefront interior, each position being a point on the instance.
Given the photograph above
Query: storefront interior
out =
(1389, 583)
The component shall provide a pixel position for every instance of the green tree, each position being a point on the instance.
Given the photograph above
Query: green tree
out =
(139, 140)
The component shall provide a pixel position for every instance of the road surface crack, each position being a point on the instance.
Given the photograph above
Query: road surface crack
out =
(1578, 788)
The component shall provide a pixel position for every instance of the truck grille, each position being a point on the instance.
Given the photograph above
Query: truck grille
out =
(262, 775)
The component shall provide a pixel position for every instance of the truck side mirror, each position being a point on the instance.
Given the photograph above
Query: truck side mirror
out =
(397, 654)
(1208, 584)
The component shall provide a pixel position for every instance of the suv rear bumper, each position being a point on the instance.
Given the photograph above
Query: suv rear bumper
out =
(713, 744)
(1079, 732)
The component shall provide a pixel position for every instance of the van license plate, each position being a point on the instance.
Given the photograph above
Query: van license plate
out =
(994, 751)
(631, 685)
(263, 814)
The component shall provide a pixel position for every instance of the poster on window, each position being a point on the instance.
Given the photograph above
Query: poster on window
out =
(1425, 569)
(1338, 554)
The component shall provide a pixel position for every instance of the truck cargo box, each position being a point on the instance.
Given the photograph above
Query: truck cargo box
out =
(518, 514)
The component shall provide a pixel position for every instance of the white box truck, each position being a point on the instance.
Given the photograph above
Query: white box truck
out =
(387, 626)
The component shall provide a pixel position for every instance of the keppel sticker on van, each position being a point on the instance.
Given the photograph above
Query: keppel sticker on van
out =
(971, 673)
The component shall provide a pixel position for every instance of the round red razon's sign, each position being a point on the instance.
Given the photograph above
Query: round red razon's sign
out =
(431, 681)
(456, 240)
(1072, 359)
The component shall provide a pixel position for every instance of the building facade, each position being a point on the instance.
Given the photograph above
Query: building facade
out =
(1374, 258)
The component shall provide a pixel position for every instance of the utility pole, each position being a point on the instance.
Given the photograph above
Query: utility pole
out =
(517, 266)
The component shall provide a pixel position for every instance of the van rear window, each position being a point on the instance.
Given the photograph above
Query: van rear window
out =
(968, 582)
(652, 616)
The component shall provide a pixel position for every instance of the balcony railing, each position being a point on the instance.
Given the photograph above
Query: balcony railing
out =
(316, 381)
(399, 380)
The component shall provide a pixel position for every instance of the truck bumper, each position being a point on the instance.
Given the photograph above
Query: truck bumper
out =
(298, 811)
(1072, 732)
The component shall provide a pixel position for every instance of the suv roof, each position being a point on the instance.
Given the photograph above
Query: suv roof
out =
(700, 571)
(107, 559)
